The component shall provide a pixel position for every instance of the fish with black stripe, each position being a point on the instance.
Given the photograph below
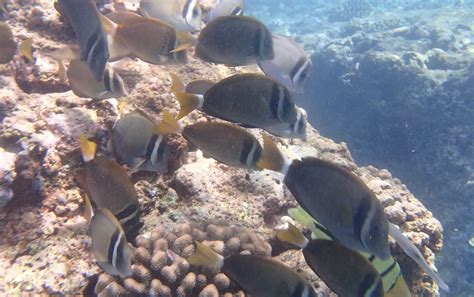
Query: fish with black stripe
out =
(343, 203)
(109, 244)
(291, 65)
(227, 143)
(225, 7)
(345, 271)
(183, 15)
(108, 186)
(259, 276)
(252, 100)
(392, 279)
(92, 38)
(136, 142)
(235, 41)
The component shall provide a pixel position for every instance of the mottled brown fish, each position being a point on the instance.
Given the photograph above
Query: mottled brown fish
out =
(235, 41)
(252, 100)
(7, 44)
(258, 276)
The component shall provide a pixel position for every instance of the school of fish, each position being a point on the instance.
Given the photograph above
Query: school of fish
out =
(348, 247)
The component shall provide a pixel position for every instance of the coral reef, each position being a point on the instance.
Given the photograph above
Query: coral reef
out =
(349, 10)
(45, 245)
(160, 267)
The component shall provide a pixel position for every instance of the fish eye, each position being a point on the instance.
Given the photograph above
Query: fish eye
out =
(268, 42)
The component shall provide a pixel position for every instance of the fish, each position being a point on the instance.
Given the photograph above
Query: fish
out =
(225, 7)
(257, 275)
(109, 244)
(84, 85)
(135, 141)
(7, 44)
(122, 17)
(108, 186)
(183, 15)
(235, 41)
(291, 65)
(227, 143)
(91, 36)
(197, 87)
(26, 49)
(154, 41)
(392, 279)
(345, 271)
(251, 100)
(335, 197)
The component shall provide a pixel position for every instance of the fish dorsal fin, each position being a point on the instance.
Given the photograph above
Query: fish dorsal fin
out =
(272, 158)
(177, 85)
(204, 255)
(168, 125)
(292, 235)
(410, 249)
(88, 148)
(26, 49)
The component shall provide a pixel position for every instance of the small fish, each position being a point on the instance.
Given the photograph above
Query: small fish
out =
(345, 271)
(84, 85)
(335, 197)
(252, 100)
(224, 8)
(291, 65)
(26, 49)
(235, 41)
(86, 22)
(258, 276)
(108, 186)
(392, 279)
(7, 44)
(135, 141)
(109, 244)
(224, 142)
(183, 15)
(154, 41)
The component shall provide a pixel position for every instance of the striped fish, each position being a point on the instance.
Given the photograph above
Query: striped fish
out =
(291, 65)
(392, 279)
(109, 244)
(183, 15)
(90, 34)
(135, 142)
(225, 7)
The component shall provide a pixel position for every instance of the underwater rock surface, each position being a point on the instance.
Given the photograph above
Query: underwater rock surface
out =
(45, 243)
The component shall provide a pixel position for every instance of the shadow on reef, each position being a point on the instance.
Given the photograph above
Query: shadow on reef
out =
(420, 130)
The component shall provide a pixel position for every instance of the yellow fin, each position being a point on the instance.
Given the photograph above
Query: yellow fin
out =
(301, 216)
(177, 85)
(204, 255)
(88, 212)
(26, 49)
(185, 41)
(87, 148)
(168, 124)
(400, 289)
(109, 26)
(271, 158)
(61, 70)
(292, 235)
(187, 102)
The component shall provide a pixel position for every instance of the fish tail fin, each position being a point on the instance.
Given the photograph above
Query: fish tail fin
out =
(410, 249)
(168, 125)
(26, 49)
(204, 255)
(88, 148)
(187, 102)
(292, 235)
(61, 70)
(177, 85)
(88, 212)
(109, 26)
(272, 158)
(185, 41)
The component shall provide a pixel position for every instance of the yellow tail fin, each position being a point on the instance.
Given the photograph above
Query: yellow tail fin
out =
(88, 212)
(109, 26)
(185, 41)
(169, 124)
(61, 70)
(272, 158)
(26, 49)
(205, 256)
(187, 102)
(87, 148)
(177, 85)
(302, 217)
(292, 235)
(399, 290)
